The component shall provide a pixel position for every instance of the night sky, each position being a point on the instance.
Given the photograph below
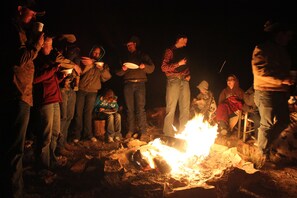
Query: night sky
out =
(218, 31)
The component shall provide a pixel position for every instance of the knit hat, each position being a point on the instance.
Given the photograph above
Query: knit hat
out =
(203, 86)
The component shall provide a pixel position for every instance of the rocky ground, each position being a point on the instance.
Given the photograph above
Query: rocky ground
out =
(85, 175)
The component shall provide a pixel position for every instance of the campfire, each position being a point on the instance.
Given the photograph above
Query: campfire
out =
(191, 158)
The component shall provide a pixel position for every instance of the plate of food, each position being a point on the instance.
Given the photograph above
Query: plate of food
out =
(109, 111)
(131, 65)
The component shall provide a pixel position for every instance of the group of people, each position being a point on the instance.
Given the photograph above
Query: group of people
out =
(36, 71)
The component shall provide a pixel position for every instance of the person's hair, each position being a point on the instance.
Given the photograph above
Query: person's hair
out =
(273, 26)
(178, 36)
(108, 93)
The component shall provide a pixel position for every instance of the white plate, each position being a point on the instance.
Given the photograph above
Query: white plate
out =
(109, 111)
(131, 65)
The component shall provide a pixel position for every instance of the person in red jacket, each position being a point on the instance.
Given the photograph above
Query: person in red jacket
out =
(47, 97)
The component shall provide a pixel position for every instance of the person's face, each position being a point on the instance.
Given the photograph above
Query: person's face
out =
(230, 82)
(131, 46)
(47, 46)
(203, 91)
(26, 15)
(182, 42)
(96, 53)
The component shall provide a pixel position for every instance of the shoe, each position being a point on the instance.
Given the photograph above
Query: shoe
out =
(70, 147)
(117, 139)
(47, 176)
(135, 135)
(61, 161)
(93, 139)
(145, 137)
(75, 140)
(129, 134)
(110, 140)
(224, 132)
(63, 151)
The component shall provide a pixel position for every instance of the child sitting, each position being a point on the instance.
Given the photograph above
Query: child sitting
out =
(106, 108)
(204, 103)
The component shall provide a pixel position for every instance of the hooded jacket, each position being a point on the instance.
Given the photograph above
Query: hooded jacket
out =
(90, 80)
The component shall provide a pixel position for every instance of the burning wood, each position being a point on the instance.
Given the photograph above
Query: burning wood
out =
(188, 160)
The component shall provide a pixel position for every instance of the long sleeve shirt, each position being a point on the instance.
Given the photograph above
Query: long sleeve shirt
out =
(170, 64)
(137, 58)
(90, 80)
(107, 104)
(18, 69)
(270, 64)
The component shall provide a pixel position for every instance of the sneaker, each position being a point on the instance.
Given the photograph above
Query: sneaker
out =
(110, 140)
(135, 135)
(47, 176)
(93, 139)
(70, 147)
(61, 161)
(75, 140)
(117, 139)
(63, 151)
(145, 137)
(129, 134)
(224, 132)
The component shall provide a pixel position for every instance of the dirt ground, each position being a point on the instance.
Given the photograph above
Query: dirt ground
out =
(84, 176)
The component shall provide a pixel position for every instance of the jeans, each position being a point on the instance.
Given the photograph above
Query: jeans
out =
(135, 94)
(113, 123)
(13, 136)
(67, 107)
(274, 112)
(177, 91)
(84, 107)
(49, 133)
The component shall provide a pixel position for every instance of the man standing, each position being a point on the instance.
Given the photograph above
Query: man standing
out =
(16, 92)
(175, 67)
(271, 65)
(135, 68)
(94, 73)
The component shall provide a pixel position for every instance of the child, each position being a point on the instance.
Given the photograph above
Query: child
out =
(204, 103)
(106, 108)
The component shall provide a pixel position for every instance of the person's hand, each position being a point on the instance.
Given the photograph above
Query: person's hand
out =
(124, 68)
(86, 60)
(187, 78)
(182, 62)
(141, 66)
(288, 81)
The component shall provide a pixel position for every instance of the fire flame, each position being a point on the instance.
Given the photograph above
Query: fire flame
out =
(198, 135)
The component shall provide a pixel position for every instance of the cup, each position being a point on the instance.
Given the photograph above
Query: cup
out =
(38, 27)
(99, 64)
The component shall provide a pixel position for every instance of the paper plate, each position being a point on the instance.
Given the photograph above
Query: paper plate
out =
(108, 111)
(131, 65)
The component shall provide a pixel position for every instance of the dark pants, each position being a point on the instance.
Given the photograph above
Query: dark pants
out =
(83, 114)
(13, 136)
(135, 94)
(67, 107)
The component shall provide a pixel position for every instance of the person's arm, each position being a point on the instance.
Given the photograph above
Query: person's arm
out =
(105, 74)
(167, 65)
(264, 67)
(149, 66)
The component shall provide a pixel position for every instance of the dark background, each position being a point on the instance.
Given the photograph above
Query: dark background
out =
(218, 31)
